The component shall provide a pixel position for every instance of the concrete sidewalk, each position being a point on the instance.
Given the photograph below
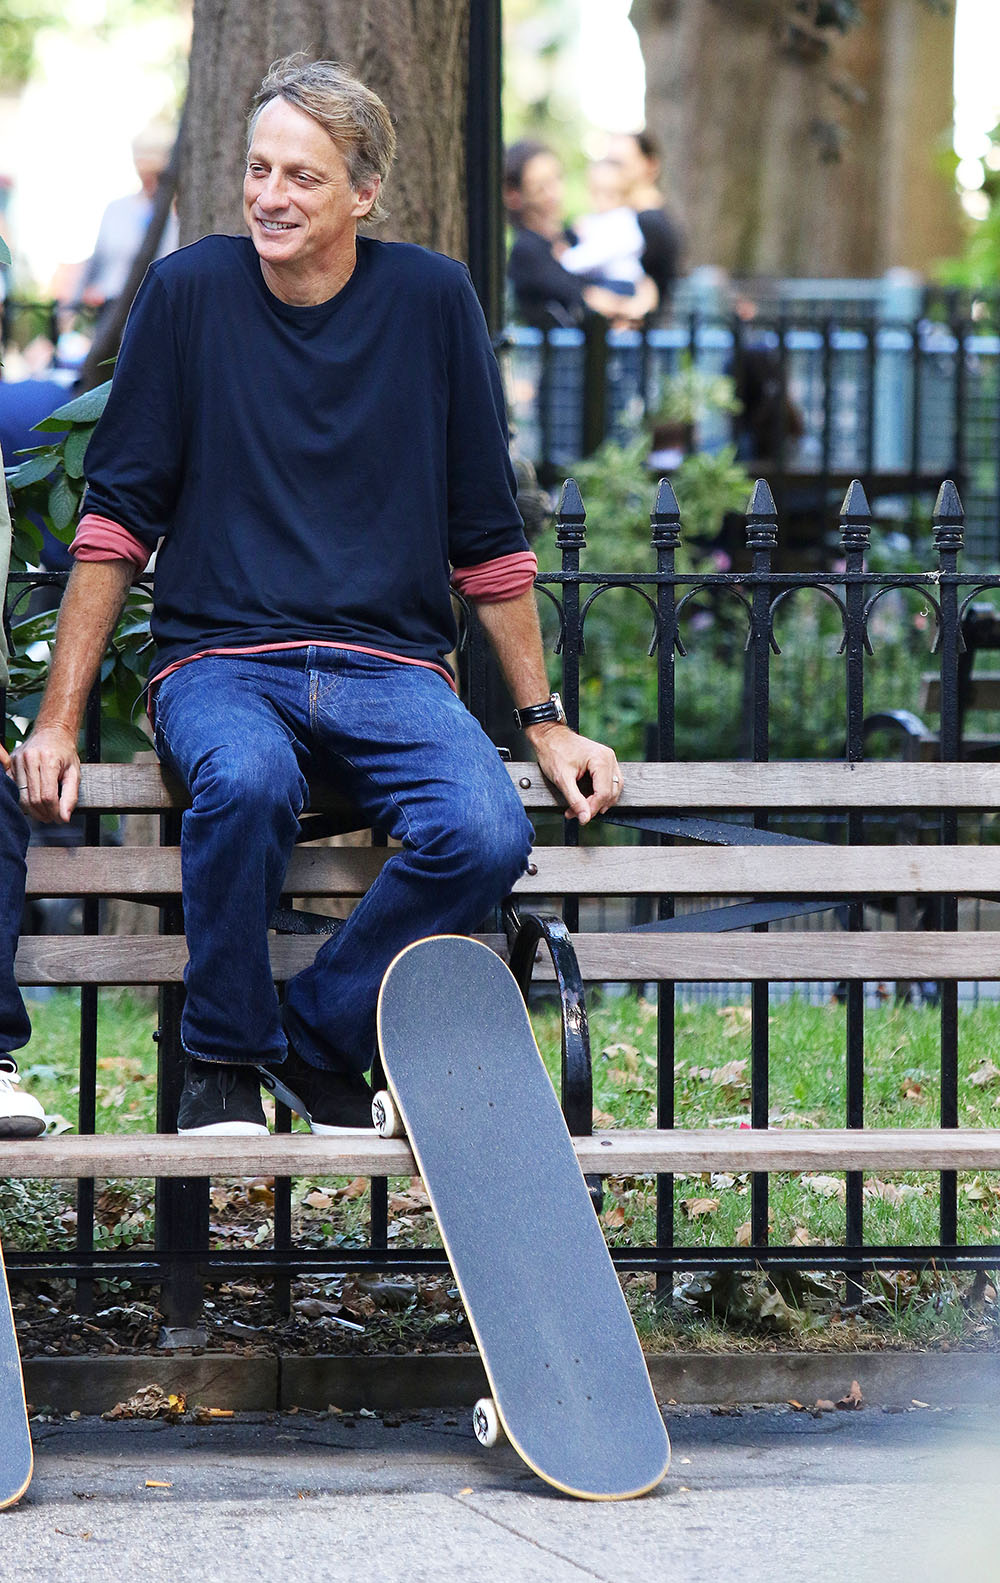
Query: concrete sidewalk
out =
(752, 1494)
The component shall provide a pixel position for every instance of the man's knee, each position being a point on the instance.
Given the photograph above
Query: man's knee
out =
(251, 779)
(493, 842)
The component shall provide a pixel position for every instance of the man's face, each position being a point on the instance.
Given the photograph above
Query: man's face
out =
(298, 202)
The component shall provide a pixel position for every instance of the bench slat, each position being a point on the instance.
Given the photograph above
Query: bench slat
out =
(625, 1152)
(789, 957)
(589, 871)
(810, 784)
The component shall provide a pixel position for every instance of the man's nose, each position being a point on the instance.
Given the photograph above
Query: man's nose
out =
(272, 192)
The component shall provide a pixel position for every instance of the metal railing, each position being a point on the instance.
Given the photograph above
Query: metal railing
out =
(898, 402)
(674, 602)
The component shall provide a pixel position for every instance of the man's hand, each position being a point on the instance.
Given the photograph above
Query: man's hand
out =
(565, 758)
(47, 771)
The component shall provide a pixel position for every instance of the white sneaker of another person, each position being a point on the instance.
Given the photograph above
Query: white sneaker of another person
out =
(21, 1116)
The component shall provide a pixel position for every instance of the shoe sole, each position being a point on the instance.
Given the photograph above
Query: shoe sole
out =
(287, 1096)
(219, 1129)
(22, 1126)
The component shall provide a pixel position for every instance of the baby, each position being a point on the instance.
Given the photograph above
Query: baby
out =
(611, 244)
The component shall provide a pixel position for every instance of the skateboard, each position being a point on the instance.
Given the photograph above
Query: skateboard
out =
(466, 1084)
(15, 1436)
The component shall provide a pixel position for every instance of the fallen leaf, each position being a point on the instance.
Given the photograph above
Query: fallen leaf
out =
(698, 1208)
(853, 1400)
(823, 1406)
(797, 1405)
(158, 1484)
(317, 1199)
(803, 1238)
(355, 1189)
(731, 1077)
(915, 1403)
(742, 1238)
(614, 1217)
(888, 1192)
(911, 1089)
(466, 1491)
(985, 1073)
(826, 1186)
(603, 1120)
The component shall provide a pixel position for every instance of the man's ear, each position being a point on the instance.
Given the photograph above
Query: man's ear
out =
(365, 195)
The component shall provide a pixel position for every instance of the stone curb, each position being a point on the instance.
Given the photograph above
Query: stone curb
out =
(388, 1383)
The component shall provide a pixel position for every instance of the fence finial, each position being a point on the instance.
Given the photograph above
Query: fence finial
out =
(665, 518)
(948, 519)
(762, 518)
(855, 519)
(571, 517)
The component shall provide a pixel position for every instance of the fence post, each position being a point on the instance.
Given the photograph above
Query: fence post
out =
(665, 532)
(571, 536)
(761, 541)
(595, 382)
(949, 525)
(855, 536)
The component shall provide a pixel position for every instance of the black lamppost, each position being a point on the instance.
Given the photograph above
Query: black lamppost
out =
(483, 158)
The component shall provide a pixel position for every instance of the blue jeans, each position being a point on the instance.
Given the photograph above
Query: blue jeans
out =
(244, 733)
(15, 1029)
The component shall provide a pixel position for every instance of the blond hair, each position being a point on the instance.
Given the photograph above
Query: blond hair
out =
(352, 116)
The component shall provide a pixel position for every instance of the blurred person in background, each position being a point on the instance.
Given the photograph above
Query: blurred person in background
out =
(124, 223)
(545, 292)
(611, 243)
(638, 156)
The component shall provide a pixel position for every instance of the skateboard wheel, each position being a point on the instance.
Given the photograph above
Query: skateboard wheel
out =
(388, 1122)
(486, 1422)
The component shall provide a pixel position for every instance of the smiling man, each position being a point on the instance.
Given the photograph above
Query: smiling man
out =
(310, 425)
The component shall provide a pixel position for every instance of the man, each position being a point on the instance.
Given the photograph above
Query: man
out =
(312, 424)
(21, 1116)
(125, 222)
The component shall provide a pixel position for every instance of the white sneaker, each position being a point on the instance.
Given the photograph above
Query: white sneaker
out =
(21, 1116)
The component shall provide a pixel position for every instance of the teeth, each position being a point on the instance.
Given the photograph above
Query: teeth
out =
(277, 225)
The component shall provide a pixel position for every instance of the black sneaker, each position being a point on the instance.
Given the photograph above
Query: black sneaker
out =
(220, 1098)
(328, 1101)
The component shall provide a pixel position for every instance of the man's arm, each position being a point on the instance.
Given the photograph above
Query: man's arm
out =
(564, 757)
(47, 766)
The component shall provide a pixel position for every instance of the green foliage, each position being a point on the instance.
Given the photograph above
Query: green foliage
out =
(48, 482)
(690, 394)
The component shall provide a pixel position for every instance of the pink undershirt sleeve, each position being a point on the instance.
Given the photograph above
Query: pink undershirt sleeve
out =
(100, 539)
(491, 581)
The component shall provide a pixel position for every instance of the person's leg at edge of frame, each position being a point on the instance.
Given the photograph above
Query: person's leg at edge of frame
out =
(223, 724)
(435, 781)
(21, 1115)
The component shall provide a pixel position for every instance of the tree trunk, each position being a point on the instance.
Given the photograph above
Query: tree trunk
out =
(413, 53)
(748, 130)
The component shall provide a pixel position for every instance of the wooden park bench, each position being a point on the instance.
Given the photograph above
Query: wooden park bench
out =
(692, 851)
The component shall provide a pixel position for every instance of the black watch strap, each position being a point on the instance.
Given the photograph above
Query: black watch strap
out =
(538, 714)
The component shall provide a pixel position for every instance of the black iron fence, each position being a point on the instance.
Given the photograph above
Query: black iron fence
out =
(685, 614)
(898, 402)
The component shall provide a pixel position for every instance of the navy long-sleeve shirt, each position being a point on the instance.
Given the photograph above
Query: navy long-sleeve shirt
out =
(312, 472)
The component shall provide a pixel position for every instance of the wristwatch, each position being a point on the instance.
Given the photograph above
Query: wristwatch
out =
(537, 714)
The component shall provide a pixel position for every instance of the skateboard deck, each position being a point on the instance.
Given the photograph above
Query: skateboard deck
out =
(15, 1436)
(569, 1382)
